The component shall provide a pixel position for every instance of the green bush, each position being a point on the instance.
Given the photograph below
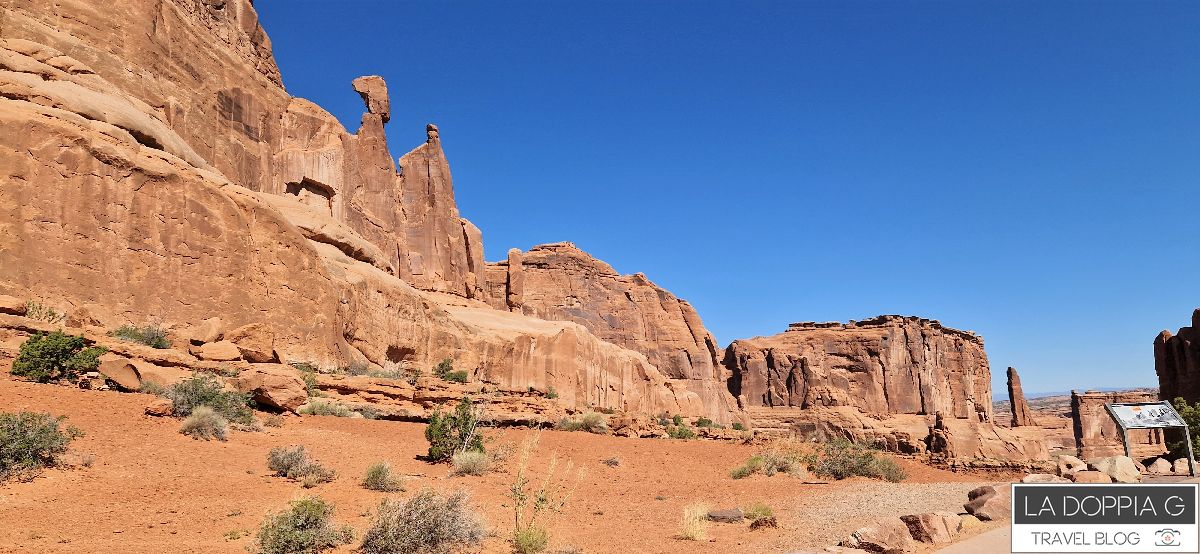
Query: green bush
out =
(551, 393)
(443, 368)
(780, 457)
(591, 422)
(37, 310)
(326, 409)
(379, 478)
(677, 419)
(150, 335)
(739, 427)
(531, 539)
(55, 356)
(205, 424)
(680, 432)
(451, 433)
(427, 523)
(30, 441)
(206, 390)
(758, 511)
(1191, 416)
(842, 458)
(705, 422)
(294, 463)
(306, 527)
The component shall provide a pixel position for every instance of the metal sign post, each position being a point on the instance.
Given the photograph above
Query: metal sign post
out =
(1150, 415)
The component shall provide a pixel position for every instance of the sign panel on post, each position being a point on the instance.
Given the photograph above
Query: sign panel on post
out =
(1105, 518)
(1150, 415)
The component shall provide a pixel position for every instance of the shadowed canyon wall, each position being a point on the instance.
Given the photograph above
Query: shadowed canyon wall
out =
(1177, 362)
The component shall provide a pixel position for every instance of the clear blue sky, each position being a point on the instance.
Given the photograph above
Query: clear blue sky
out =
(1026, 170)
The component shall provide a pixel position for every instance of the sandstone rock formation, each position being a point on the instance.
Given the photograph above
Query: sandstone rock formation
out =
(563, 283)
(1021, 416)
(886, 365)
(1177, 362)
(1096, 434)
(155, 169)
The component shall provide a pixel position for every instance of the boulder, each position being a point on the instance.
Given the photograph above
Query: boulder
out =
(255, 342)
(160, 407)
(968, 522)
(989, 503)
(1122, 469)
(1068, 465)
(733, 515)
(209, 330)
(1180, 466)
(1089, 476)
(1044, 478)
(121, 371)
(220, 351)
(12, 305)
(887, 536)
(1160, 465)
(273, 385)
(935, 527)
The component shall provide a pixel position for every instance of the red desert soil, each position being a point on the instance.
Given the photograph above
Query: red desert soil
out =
(152, 489)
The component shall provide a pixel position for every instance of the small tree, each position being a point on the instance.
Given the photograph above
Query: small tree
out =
(56, 356)
(1191, 416)
(455, 432)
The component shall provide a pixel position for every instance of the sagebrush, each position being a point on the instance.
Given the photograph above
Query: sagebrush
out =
(379, 477)
(206, 390)
(151, 335)
(427, 523)
(306, 527)
(591, 422)
(294, 463)
(206, 424)
(30, 441)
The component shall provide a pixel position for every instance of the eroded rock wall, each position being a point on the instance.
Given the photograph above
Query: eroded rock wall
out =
(1021, 415)
(560, 282)
(1097, 435)
(1177, 362)
(885, 365)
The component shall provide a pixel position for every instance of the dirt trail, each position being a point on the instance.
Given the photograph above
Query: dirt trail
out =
(154, 490)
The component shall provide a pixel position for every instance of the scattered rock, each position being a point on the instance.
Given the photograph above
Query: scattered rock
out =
(255, 342)
(1160, 465)
(886, 536)
(936, 527)
(1122, 469)
(11, 305)
(764, 522)
(1044, 478)
(1068, 465)
(1089, 476)
(121, 371)
(968, 522)
(210, 330)
(989, 503)
(273, 385)
(1180, 466)
(220, 351)
(160, 408)
(733, 515)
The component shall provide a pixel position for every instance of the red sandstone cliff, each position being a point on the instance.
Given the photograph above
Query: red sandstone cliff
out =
(1177, 362)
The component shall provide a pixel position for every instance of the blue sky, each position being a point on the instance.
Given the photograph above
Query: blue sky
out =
(1026, 170)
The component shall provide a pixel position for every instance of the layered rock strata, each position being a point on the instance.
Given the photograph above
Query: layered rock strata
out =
(1177, 362)
(1021, 415)
(886, 365)
(560, 282)
(1097, 435)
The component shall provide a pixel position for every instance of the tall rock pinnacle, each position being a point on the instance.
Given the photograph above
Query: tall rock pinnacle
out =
(1021, 416)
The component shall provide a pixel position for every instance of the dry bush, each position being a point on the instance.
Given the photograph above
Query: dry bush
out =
(471, 462)
(612, 461)
(379, 478)
(694, 525)
(534, 507)
(294, 463)
(206, 424)
(591, 422)
(841, 458)
(427, 523)
(31, 441)
(273, 420)
(779, 456)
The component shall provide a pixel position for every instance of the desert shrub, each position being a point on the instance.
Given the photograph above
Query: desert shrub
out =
(612, 461)
(705, 422)
(738, 427)
(379, 478)
(369, 412)
(680, 432)
(306, 527)
(54, 356)
(454, 432)
(677, 419)
(206, 390)
(308, 374)
(150, 387)
(783, 456)
(205, 424)
(273, 420)
(153, 336)
(551, 393)
(532, 506)
(459, 376)
(1191, 416)
(357, 369)
(841, 458)
(294, 463)
(443, 368)
(591, 422)
(757, 511)
(30, 441)
(471, 462)
(326, 409)
(694, 524)
(37, 310)
(427, 523)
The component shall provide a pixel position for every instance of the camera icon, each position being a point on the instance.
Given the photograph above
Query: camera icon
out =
(1166, 537)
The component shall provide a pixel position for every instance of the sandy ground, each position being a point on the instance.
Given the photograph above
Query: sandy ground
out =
(151, 489)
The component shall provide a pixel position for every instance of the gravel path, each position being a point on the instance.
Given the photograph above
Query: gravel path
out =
(830, 517)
